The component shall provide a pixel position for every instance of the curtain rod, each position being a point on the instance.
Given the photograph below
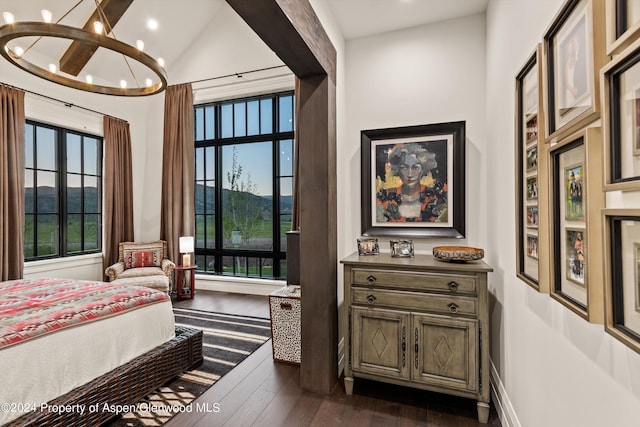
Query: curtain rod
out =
(238, 75)
(65, 103)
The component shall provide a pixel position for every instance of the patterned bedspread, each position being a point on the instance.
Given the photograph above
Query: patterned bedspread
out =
(31, 308)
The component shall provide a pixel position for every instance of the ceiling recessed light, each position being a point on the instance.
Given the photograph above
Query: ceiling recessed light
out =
(152, 24)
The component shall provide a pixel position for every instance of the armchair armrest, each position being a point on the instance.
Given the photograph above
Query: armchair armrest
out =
(114, 270)
(167, 267)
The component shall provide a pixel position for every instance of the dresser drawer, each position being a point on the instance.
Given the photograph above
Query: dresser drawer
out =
(432, 303)
(432, 282)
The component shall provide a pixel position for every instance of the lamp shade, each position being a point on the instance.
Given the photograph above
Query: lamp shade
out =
(186, 244)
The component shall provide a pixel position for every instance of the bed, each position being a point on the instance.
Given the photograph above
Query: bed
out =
(81, 349)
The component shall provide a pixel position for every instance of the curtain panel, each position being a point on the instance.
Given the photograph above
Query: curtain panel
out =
(178, 168)
(12, 123)
(118, 188)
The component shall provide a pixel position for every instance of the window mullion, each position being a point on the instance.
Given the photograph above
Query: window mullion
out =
(62, 193)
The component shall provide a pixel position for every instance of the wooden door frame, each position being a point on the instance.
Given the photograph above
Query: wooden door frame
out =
(293, 31)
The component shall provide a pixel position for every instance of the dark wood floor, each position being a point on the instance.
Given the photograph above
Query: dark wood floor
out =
(261, 392)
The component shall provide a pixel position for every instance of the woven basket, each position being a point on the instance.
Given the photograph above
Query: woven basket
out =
(457, 253)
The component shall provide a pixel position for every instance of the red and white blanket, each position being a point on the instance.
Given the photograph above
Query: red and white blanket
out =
(31, 308)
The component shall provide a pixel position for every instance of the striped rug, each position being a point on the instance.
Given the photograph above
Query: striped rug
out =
(228, 340)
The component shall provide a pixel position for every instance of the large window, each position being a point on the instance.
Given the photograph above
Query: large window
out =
(244, 185)
(63, 192)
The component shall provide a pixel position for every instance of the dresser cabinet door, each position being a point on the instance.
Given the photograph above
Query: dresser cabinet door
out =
(445, 351)
(380, 342)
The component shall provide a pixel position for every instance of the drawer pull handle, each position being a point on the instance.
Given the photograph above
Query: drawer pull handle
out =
(371, 280)
(453, 308)
(371, 299)
(453, 286)
(285, 306)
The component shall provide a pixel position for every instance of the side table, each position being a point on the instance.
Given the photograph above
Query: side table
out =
(185, 281)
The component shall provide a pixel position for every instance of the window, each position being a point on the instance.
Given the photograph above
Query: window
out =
(244, 185)
(63, 192)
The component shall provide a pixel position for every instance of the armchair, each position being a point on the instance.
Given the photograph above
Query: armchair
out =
(143, 264)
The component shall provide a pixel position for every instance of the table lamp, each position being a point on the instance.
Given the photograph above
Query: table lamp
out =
(186, 247)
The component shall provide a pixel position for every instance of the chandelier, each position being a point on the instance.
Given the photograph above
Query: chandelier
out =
(29, 45)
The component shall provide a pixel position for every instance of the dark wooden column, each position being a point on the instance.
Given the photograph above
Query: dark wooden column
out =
(292, 30)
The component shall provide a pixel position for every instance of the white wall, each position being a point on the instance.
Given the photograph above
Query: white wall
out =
(226, 46)
(429, 74)
(556, 368)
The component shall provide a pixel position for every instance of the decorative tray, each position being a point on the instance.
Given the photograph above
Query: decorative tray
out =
(457, 253)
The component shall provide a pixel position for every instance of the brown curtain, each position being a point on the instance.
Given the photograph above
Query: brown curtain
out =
(118, 188)
(178, 163)
(12, 122)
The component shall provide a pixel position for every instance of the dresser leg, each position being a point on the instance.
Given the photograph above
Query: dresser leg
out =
(348, 385)
(483, 412)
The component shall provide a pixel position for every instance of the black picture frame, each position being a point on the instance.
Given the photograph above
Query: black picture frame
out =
(565, 229)
(618, 174)
(574, 51)
(441, 211)
(622, 307)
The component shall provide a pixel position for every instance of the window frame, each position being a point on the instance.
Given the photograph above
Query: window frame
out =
(61, 243)
(276, 138)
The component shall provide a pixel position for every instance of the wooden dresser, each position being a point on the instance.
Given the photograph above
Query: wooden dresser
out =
(418, 322)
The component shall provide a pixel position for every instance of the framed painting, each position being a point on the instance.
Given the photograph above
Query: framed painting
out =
(622, 281)
(575, 52)
(413, 181)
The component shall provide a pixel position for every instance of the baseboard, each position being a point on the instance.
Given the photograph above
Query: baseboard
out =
(238, 285)
(500, 399)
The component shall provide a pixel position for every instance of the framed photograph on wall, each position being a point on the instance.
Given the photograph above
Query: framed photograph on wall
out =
(575, 52)
(622, 25)
(529, 143)
(532, 158)
(621, 120)
(413, 181)
(532, 246)
(575, 255)
(573, 179)
(577, 201)
(622, 293)
(532, 217)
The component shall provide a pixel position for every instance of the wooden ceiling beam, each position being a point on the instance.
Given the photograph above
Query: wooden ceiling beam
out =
(76, 57)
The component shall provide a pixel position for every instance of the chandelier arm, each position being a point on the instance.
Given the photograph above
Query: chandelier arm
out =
(109, 29)
(57, 22)
(29, 29)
